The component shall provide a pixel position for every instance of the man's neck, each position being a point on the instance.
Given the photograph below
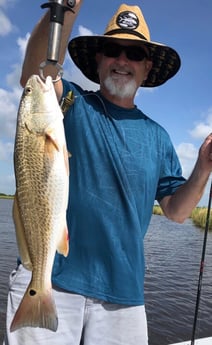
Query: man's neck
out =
(126, 102)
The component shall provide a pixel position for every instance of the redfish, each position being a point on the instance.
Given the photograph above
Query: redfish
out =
(39, 209)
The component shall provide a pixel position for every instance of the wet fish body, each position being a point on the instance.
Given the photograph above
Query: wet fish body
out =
(40, 203)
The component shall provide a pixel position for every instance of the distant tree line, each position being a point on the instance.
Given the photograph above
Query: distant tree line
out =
(3, 195)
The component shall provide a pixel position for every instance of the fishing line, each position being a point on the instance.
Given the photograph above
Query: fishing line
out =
(201, 267)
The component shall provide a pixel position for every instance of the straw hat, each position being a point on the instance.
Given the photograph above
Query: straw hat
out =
(127, 23)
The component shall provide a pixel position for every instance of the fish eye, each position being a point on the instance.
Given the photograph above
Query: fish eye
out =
(28, 90)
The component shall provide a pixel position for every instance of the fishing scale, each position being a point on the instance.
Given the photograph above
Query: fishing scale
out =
(57, 12)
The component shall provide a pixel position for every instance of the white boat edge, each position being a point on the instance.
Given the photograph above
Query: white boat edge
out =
(202, 341)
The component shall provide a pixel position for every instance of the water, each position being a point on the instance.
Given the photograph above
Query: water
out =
(173, 254)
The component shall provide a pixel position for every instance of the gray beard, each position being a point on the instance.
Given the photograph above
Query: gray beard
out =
(120, 90)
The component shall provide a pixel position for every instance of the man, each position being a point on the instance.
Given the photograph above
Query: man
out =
(121, 162)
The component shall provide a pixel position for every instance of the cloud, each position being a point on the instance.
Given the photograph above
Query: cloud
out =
(83, 31)
(8, 112)
(187, 154)
(7, 3)
(13, 77)
(6, 26)
(7, 183)
(7, 179)
(202, 129)
(6, 150)
(22, 44)
(9, 99)
(71, 72)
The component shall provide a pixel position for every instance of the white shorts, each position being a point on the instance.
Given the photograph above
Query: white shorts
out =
(81, 320)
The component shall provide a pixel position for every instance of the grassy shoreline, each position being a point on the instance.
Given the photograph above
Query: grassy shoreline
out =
(198, 216)
(5, 196)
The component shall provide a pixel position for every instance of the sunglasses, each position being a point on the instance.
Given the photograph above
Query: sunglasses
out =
(133, 53)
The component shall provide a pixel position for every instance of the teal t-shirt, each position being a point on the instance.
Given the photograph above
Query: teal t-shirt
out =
(121, 161)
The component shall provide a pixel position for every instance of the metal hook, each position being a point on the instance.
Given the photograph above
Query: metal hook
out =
(58, 67)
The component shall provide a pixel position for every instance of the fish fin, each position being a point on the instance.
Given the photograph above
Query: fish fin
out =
(20, 236)
(51, 139)
(37, 309)
(66, 156)
(63, 245)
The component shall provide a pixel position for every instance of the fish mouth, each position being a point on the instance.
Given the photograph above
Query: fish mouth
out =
(48, 80)
(44, 84)
(47, 84)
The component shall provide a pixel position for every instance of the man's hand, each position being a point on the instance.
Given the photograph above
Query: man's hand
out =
(205, 155)
(179, 206)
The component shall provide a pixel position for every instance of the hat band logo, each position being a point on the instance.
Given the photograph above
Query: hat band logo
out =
(127, 20)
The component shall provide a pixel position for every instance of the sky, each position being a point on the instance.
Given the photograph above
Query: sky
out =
(183, 105)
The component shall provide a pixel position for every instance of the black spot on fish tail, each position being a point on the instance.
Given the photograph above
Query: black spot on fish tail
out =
(32, 292)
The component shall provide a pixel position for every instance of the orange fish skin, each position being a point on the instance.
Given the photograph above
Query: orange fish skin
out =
(39, 210)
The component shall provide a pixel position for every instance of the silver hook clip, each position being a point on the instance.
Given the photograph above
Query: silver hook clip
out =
(57, 11)
(58, 67)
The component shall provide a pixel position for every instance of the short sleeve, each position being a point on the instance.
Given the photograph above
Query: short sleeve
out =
(170, 173)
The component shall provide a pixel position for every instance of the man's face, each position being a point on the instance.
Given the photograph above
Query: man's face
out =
(122, 68)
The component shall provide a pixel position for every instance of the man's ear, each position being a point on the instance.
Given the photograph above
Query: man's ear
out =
(98, 58)
(149, 64)
(148, 67)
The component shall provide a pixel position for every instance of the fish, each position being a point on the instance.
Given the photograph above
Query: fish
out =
(39, 210)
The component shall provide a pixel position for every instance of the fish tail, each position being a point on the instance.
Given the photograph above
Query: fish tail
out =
(37, 309)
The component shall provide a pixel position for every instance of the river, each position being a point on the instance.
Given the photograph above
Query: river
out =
(173, 254)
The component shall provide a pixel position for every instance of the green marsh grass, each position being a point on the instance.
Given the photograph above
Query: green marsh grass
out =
(198, 216)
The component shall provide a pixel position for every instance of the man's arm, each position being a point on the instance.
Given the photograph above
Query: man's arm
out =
(179, 206)
(36, 51)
